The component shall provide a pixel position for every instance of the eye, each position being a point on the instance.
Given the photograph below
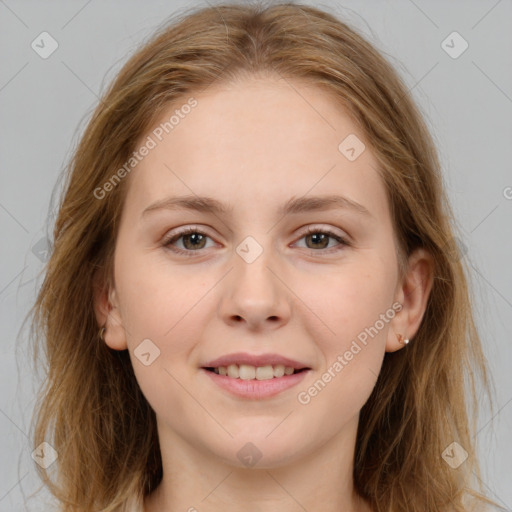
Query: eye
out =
(320, 239)
(193, 240)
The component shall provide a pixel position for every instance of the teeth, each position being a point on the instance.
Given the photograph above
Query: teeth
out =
(249, 372)
(233, 371)
(246, 372)
(279, 370)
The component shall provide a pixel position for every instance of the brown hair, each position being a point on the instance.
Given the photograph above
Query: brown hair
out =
(91, 409)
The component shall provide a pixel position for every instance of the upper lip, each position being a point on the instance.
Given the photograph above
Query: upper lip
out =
(254, 360)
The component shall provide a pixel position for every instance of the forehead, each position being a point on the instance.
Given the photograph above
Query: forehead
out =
(257, 139)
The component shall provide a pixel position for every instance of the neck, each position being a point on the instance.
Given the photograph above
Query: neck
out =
(320, 479)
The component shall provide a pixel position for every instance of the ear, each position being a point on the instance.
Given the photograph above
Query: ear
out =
(106, 309)
(412, 293)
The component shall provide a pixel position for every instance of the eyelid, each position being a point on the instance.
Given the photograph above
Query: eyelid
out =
(314, 228)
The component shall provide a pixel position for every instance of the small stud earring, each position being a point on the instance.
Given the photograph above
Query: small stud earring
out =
(401, 339)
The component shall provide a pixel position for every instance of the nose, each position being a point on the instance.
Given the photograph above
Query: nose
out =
(255, 294)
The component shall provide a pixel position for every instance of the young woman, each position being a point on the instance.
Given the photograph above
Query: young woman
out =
(255, 299)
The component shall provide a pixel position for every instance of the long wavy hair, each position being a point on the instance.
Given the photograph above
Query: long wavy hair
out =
(91, 409)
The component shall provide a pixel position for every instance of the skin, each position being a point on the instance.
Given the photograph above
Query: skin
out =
(255, 144)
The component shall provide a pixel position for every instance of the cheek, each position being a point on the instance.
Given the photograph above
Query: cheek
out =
(357, 309)
(358, 312)
(354, 298)
(158, 301)
(163, 307)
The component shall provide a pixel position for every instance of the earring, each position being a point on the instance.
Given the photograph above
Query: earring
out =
(101, 333)
(401, 339)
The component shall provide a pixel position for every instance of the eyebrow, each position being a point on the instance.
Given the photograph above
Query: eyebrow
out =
(292, 206)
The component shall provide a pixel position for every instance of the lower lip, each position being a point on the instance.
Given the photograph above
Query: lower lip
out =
(256, 389)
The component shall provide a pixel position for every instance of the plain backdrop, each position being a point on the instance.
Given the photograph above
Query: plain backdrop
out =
(45, 103)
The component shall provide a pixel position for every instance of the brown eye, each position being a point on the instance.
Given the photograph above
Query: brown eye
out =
(318, 239)
(193, 240)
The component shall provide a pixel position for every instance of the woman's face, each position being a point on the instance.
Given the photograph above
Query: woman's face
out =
(251, 279)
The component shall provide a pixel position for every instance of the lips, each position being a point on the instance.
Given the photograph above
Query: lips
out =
(242, 358)
(255, 389)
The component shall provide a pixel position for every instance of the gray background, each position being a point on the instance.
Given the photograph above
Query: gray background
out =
(45, 104)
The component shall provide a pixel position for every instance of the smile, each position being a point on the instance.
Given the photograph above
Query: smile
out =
(255, 382)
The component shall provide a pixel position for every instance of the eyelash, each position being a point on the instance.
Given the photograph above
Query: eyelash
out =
(311, 230)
